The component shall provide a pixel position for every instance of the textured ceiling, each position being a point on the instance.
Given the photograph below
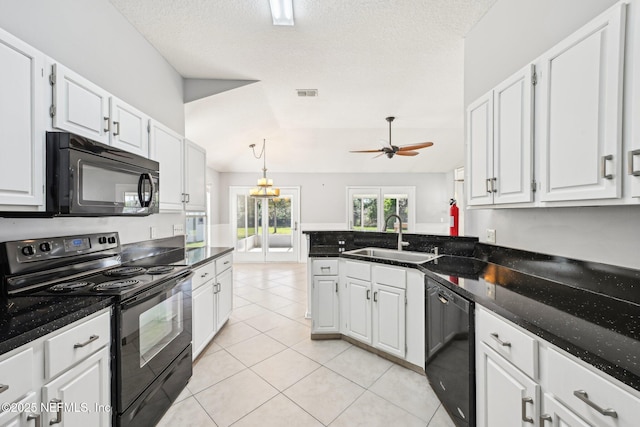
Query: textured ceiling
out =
(369, 59)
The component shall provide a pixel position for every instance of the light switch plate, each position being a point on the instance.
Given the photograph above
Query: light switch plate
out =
(153, 232)
(491, 235)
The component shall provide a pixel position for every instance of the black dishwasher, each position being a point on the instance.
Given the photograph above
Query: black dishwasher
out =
(450, 351)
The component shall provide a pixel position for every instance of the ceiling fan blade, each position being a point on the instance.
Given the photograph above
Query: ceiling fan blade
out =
(407, 153)
(415, 146)
(366, 151)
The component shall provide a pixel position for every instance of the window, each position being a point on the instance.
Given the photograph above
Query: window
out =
(370, 206)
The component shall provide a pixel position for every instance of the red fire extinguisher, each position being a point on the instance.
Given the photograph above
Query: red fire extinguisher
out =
(453, 218)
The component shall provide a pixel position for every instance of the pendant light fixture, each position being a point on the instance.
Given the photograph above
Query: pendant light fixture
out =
(265, 187)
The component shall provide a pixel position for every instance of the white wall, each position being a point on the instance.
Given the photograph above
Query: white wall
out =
(324, 197)
(93, 39)
(511, 34)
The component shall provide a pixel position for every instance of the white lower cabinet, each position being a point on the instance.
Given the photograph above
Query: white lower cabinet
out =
(212, 300)
(325, 295)
(358, 309)
(563, 392)
(76, 393)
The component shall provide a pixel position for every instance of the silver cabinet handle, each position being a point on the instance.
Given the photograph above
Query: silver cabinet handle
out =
(58, 418)
(117, 126)
(202, 276)
(226, 262)
(295, 226)
(368, 294)
(631, 156)
(375, 296)
(488, 183)
(494, 185)
(526, 419)
(336, 287)
(545, 417)
(502, 343)
(603, 166)
(35, 417)
(107, 124)
(582, 395)
(218, 288)
(188, 197)
(4, 387)
(91, 339)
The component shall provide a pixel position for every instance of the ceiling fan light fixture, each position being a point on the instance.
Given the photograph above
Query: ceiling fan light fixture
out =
(282, 12)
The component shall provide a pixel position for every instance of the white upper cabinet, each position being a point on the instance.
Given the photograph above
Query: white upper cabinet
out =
(79, 106)
(195, 177)
(500, 143)
(166, 147)
(22, 122)
(580, 134)
(129, 128)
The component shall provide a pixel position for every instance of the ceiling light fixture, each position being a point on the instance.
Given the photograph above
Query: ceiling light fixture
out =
(265, 187)
(282, 12)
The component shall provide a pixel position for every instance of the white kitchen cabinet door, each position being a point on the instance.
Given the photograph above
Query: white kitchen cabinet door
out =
(480, 151)
(25, 417)
(87, 385)
(513, 138)
(555, 414)
(358, 311)
(80, 106)
(165, 147)
(224, 295)
(22, 112)
(326, 305)
(195, 177)
(581, 112)
(129, 128)
(505, 397)
(389, 321)
(203, 313)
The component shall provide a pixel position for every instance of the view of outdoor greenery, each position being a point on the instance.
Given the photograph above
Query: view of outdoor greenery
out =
(365, 212)
(249, 216)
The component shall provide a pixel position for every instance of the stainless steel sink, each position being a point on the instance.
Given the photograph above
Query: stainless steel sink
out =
(393, 254)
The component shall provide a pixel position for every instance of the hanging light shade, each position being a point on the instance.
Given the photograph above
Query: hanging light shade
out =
(265, 188)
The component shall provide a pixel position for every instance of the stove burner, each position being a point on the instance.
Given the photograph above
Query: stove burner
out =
(121, 284)
(161, 269)
(125, 271)
(69, 286)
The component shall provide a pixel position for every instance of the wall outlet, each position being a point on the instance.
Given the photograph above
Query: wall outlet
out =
(153, 232)
(178, 229)
(491, 235)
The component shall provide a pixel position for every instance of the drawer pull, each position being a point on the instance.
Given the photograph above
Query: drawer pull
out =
(226, 262)
(325, 268)
(202, 276)
(545, 417)
(502, 343)
(91, 339)
(526, 419)
(58, 418)
(582, 395)
(4, 387)
(35, 417)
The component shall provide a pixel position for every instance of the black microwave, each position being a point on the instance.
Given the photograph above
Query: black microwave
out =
(87, 178)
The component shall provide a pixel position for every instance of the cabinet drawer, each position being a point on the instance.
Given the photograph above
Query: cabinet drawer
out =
(16, 377)
(358, 270)
(574, 385)
(224, 263)
(325, 267)
(513, 344)
(390, 276)
(203, 274)
(67, 348)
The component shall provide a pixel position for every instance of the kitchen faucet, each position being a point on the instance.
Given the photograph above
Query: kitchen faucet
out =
(400, 242)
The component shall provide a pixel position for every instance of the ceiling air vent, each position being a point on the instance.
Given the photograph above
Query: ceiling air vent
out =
(307, 92)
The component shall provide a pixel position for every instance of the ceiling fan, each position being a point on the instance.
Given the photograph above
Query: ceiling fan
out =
(391, 150)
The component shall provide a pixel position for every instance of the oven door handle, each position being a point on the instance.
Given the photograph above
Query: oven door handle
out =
(145, 177)
(156, 290)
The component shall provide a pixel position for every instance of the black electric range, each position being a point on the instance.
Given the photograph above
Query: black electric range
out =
(151, 322)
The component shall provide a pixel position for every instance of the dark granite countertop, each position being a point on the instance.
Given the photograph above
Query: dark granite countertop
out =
(198, 256)
(588, 309)
(26, 318)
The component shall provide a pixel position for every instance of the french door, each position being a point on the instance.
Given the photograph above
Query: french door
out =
(265, 230)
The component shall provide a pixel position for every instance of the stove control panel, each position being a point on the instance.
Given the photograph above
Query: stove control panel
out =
(33, 250)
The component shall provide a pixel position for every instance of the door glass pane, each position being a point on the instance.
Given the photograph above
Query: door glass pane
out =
(280, 225)
(396, 204)
(247, 224)
(365, 212)
(159, 326)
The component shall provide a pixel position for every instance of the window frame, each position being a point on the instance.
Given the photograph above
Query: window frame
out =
(380, 192)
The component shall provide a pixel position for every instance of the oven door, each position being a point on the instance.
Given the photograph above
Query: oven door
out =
(154, 329)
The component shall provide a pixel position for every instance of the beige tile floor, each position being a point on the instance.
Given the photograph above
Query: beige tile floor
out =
(263, 370)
